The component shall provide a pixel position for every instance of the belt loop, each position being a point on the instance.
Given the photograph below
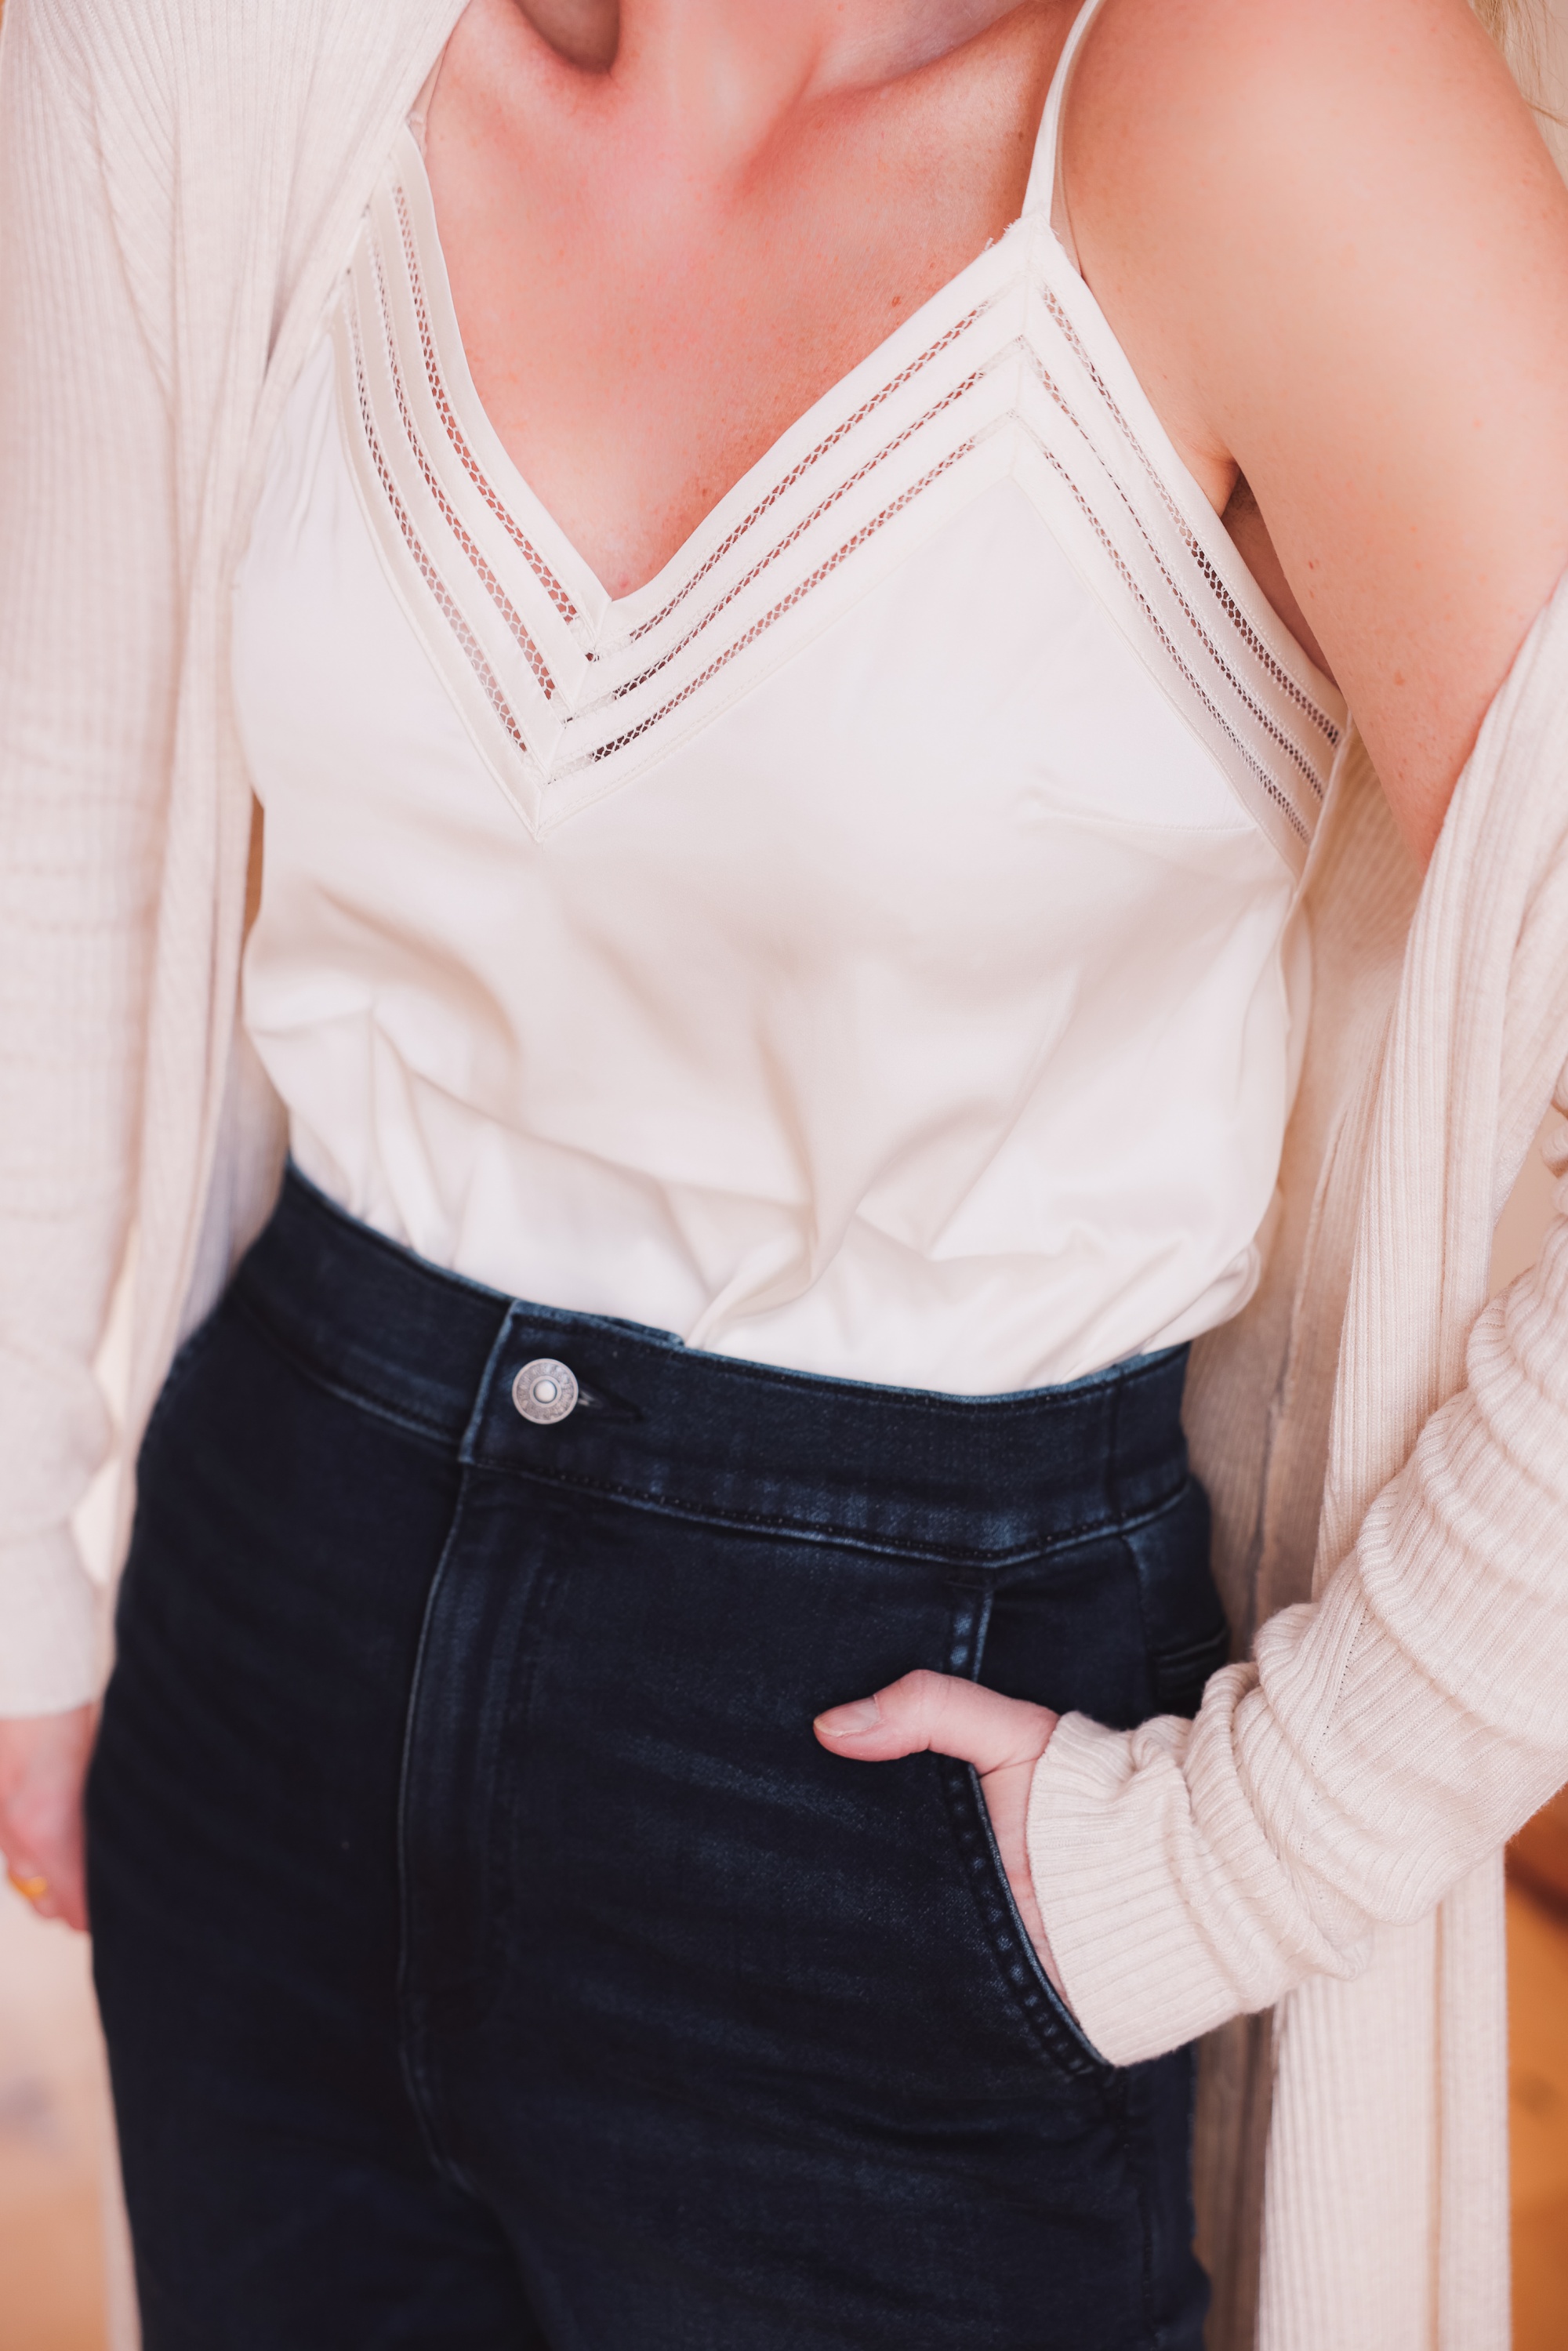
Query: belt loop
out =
(468, 1452)
(1111, 1439)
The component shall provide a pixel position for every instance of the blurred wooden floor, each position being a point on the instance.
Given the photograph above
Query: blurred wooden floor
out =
(1538, 2098)
(52, 2119)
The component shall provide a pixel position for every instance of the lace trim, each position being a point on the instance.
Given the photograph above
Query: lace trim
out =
(446, 602)
(1169, 578)
(1268, 660)
(785, 604)
(781, 546)
(1270, 725)
(825, 448)
(479, 563)
(454, 433)
(1280, 798)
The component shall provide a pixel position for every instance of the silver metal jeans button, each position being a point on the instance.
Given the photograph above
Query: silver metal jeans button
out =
(545, 1391)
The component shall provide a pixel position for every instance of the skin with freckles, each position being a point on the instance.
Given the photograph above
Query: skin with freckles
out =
(1325, 231)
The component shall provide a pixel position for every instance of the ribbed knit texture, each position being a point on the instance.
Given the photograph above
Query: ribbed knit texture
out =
(1336, 1809)
(180, 184)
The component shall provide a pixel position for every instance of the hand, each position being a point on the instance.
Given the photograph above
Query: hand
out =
(43, 1762)
(1003, 1738)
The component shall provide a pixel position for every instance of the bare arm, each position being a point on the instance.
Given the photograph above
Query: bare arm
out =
(1336, 249)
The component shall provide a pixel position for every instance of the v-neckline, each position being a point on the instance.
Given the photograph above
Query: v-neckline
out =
(617, 617)
(1007, 372)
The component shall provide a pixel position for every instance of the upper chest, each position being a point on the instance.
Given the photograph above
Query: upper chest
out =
(641, 324)
(1006, 380)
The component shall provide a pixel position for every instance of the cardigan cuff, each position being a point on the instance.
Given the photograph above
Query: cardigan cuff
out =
(51, 1657)
(1108, 1812)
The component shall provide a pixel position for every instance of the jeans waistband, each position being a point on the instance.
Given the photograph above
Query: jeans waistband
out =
(667, 1428)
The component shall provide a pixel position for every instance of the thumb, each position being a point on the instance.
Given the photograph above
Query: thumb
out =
(942, 1713)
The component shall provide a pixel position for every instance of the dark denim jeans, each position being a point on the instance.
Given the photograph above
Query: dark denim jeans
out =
(489, 1954)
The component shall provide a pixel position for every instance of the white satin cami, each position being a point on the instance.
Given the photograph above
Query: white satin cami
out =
(864, 948)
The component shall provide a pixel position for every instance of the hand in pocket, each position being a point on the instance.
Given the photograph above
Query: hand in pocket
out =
(1003, 1738)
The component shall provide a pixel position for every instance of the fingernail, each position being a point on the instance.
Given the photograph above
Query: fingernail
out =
(845, 1721)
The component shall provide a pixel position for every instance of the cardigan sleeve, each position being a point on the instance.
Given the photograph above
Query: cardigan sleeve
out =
(1384, 1740)
(87, 659)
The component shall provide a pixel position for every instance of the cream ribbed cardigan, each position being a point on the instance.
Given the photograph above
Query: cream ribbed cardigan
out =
(180, 184)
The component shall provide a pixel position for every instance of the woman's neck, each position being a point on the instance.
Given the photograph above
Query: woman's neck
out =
(660, 263)
(730, 67)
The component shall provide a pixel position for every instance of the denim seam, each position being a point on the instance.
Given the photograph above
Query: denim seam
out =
(1024, 1982)
(463, 1444)
(1138, 2171)
(454, 1442)
(1113, 1441)
(499, 1909)
(830, 1532)
(1010, 1404)
(1053, 2031)
(410, 2064)
(447, 1436)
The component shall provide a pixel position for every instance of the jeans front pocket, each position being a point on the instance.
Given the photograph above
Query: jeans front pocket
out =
(1049, 2025)
(1121, 1625)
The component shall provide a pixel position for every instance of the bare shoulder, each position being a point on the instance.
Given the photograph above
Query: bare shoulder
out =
(1332, 241)
(1307, 153)
(1272, 92)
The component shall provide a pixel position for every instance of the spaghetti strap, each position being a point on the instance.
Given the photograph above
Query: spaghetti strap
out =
(1045, 175)
(419, 111)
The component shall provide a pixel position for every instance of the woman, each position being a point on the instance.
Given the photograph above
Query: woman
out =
(789, 598)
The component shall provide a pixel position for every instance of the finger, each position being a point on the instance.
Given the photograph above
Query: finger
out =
(942, 1713)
